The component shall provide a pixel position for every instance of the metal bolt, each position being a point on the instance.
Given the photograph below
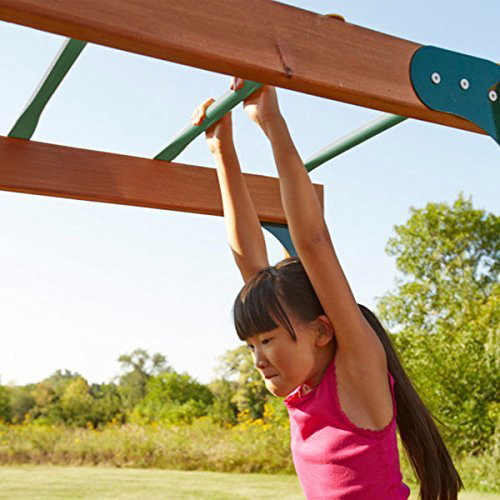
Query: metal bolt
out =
(464, 83)
(436, 78)
(492, 95)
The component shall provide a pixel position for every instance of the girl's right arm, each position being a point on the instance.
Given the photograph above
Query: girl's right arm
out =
(243, 229)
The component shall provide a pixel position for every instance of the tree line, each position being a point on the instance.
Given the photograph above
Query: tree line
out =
(149, 390)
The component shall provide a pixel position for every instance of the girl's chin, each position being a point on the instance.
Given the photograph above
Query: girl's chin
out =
(280, 392)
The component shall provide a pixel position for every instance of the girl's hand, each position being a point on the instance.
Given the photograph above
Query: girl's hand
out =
(220, 133)
(262, 107)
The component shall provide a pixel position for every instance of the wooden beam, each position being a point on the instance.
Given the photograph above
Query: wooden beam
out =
(47, 169)
(259, 40)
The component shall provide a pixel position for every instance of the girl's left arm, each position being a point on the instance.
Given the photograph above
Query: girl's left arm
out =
(355, 337)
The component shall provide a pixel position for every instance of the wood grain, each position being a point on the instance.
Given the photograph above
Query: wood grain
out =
(259, 40)
(51, 170)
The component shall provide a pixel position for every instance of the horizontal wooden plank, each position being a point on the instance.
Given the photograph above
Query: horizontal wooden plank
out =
(51, 170)
(259, 40)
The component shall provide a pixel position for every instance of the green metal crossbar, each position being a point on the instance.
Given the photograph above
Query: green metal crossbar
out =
(215, 112)
(26, 124)
(348, 141)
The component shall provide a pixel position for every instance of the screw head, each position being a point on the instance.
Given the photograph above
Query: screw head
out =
(436, 78)
(492, 95)
(464, 83)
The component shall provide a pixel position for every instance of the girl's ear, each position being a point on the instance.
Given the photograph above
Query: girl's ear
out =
(326, 333)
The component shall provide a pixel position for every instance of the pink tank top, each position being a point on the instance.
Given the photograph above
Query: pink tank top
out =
(334, 458)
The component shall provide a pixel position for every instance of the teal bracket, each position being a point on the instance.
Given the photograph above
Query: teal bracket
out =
(281, 232)
(26, 124)
(459, 84)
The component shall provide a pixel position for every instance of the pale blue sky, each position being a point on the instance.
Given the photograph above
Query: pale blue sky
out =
(82, 283)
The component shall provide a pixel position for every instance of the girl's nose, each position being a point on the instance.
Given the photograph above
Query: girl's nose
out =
(260, 360)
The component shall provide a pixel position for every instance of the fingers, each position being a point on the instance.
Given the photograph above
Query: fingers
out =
(237, 83)
(200, 111)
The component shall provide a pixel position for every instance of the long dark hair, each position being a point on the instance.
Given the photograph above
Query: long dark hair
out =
(279, 292)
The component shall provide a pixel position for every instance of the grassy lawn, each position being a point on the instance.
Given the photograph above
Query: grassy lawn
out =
(47, 482)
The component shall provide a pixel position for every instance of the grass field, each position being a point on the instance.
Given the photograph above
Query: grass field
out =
(49, 482)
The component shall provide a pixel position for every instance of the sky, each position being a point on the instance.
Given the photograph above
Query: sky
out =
(83, 282)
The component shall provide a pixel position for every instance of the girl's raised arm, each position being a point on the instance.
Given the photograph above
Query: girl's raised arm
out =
(357, 343)
(244, 233)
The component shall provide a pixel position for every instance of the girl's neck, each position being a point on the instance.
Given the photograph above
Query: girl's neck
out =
(324, 358)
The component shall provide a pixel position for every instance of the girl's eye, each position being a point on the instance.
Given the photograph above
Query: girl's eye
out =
(250, 347)
(266, 341)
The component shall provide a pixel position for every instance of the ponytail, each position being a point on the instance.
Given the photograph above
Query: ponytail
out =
(423, 444)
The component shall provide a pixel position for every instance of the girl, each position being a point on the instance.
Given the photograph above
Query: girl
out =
(344, 387)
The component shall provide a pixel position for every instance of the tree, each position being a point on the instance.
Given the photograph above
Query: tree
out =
(141, 366)
(446, 312)
(76, 403)
(173, 397)
(224, 410)
(21, 401)
(251, 393)
(5, 408)
(107, 404)
(47, 395)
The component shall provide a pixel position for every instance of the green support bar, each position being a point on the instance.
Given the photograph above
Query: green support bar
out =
(362, 134)
(215, 112)
(26, 124)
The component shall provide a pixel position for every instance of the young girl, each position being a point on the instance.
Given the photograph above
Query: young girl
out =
(344, 387)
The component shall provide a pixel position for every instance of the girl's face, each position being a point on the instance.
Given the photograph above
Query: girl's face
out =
(284, 363)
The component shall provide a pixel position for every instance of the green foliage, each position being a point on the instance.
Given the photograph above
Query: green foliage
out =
(139, 367)
(173, 397)
(446, 312)
(83, 405)
(5, 409)
(47, 395)
(250, 393)
(223, 410)
(21, 401)
(107, 404)
(76, 403)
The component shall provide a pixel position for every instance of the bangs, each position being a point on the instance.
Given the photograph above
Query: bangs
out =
(258, 309)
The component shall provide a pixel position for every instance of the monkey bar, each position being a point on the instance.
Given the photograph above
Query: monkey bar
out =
(299, 50)
(25, 125)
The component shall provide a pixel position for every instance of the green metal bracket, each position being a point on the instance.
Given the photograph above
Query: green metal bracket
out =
(281, 232)
(25, 126)
(215, 112)
(459, 84)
